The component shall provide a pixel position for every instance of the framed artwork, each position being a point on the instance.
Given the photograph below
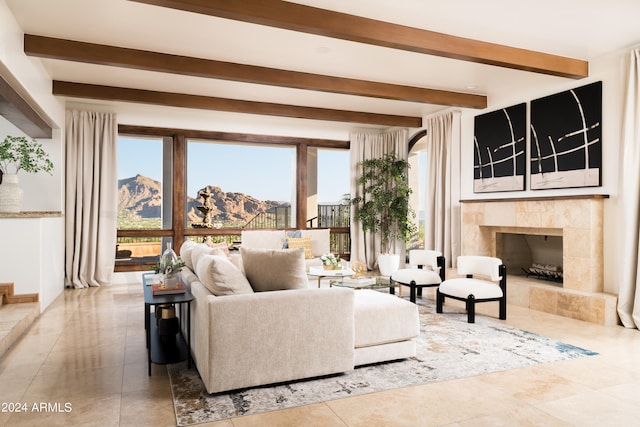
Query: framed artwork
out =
(566, 139)
(499, 150)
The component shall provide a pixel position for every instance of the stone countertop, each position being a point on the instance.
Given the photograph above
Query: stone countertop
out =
(31, 214)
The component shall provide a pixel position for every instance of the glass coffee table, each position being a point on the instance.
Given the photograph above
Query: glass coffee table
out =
(321, 273)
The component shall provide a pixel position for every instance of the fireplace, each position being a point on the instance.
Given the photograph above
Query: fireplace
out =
(532, 255)
(576, 221)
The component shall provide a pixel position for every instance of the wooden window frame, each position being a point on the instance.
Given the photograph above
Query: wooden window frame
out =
(179, 231)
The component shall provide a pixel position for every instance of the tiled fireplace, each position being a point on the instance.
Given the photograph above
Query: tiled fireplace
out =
(579, 220)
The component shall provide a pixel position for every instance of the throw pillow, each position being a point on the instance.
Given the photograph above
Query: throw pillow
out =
(199, 251)
(221, 246)
(221, 277)
(301, 242)
(275, 269)
(297, 234)
(185, 252)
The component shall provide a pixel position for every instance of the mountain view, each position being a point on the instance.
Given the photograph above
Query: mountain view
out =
(140, 205)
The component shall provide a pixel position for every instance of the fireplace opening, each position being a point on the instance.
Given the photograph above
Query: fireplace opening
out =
(534, 256)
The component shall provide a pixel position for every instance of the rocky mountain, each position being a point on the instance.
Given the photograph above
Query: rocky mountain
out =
(142, 196)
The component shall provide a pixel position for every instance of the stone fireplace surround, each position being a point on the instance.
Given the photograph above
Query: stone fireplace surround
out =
(579, 220)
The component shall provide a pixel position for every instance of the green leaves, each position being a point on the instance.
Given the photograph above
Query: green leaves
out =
(18, 153)
(384, 205)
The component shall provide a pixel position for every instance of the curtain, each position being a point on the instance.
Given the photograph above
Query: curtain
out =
(629, 294)
(442, 212)
(90, 198)
(365, 247)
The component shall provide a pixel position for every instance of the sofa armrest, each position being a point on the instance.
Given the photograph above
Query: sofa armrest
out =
(277, 336)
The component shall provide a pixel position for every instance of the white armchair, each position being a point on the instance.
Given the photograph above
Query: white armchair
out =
(426, 268)
(473, 290)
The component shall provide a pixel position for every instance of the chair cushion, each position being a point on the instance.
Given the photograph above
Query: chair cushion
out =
(275, 269)
(463, 287)
(421, 276)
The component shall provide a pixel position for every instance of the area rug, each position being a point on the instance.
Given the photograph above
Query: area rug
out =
(448, 348)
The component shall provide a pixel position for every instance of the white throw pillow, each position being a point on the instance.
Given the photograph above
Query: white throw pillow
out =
(198, 251)
(221, 277)
(275, 269)
(185, 253)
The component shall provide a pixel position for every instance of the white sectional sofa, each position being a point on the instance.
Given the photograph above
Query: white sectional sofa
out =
(288, 330)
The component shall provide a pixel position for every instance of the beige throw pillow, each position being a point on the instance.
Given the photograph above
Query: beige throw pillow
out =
(275, 269)
(185, 253)
(221, 277)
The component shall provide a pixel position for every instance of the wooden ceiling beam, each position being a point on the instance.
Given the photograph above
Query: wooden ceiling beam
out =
(16, 110)
(70, 50)
(111, 93)
(312, 20)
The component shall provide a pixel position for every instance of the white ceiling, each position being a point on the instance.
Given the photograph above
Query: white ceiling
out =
(582, 29)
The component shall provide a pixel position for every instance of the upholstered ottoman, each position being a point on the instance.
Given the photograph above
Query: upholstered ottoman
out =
(386, 327)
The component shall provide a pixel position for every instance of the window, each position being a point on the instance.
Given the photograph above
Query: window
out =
(249, 186)
(417, 182)
(249, 181)
(144, 196)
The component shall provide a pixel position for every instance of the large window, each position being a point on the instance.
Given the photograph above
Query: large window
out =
(248, 186)
(144, 201)
(169, 178)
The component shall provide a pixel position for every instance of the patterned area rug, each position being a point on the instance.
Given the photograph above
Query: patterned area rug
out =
(448, 348)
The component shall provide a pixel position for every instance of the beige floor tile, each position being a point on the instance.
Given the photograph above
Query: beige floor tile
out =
(150, 407)
(594, 409)
(318, 415)
(523, 417)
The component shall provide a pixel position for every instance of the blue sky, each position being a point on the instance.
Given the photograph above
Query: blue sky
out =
(266, 173)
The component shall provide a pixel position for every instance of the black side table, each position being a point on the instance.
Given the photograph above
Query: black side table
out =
(156, 352)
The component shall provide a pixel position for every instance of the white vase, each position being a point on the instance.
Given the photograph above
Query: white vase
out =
(388, 264)
(10, 194)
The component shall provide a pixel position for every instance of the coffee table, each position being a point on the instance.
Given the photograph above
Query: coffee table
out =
(321, 273)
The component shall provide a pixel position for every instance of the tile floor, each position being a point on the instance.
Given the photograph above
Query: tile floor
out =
(85, 358)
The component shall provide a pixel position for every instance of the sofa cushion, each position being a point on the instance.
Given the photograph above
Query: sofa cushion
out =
(274, 269)
(320, 240)
(382, 318)
(185, 252)
(220, 276)
(301, 242)
(271, 239)
(222, 246)
(200, 250)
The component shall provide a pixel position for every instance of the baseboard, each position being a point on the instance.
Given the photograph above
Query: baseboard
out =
(8, 297)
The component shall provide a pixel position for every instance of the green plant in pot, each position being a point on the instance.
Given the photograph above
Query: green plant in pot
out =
(17, 153)
(383, 207)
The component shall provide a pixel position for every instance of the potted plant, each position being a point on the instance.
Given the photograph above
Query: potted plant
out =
(384, 207)
(18, 153)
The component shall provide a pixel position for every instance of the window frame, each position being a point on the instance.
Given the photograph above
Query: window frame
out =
(178, 231)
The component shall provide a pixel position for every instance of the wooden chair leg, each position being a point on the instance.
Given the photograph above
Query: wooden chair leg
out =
(471, 309)
(412, 291)
(439, 301)
(503, 309)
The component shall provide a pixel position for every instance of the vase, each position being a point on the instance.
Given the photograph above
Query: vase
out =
(10, 194)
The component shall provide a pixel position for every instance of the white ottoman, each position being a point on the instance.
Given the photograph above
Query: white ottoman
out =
(385, 327)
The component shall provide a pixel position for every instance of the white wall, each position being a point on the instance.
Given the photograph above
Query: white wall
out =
(608, 69)
(33, 249)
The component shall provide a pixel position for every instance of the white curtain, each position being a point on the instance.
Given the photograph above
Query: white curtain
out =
(91, 198)
(365, 247)
(629, 295)
(442, 208)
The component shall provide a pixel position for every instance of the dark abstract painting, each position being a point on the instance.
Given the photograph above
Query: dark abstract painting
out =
(566, 139)
(499, 150)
